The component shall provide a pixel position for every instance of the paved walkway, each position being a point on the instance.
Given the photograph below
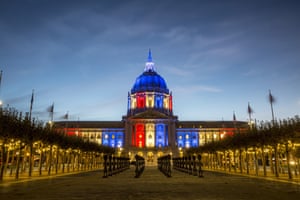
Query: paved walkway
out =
(151, 185)
(271, 177)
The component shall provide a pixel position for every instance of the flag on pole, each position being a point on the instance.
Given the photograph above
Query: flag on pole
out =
(31, 104)
(234, 118)
(50, 109)
(271, 97)
(32, 97)
(271, 101)
(250, 110)
(66, 116)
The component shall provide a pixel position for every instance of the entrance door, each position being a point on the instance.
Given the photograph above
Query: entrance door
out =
(150, 158)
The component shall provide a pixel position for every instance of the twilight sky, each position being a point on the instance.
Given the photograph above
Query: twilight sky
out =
(216, 56)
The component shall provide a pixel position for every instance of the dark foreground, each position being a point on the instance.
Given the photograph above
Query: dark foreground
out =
(151, 185)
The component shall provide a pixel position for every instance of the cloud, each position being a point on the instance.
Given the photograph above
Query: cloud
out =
(196, 89)
(177, 71)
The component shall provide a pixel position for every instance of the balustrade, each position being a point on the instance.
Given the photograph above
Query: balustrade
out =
(139, 165)
(114, 165)
(189, 165)
(164, 165)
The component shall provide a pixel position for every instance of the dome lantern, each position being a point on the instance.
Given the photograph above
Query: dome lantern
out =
(149, 66)
(150, 80)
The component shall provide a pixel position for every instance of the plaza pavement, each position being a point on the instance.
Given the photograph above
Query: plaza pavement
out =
(151, 185)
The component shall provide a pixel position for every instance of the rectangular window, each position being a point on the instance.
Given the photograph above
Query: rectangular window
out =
(140, 101)
(140, 135)
(160, 136)
(149, 101)
(158, 101)
(166, 103)
(133, 102)
(150, 135)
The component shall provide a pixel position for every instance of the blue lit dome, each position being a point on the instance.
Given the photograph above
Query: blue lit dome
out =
(150, 80)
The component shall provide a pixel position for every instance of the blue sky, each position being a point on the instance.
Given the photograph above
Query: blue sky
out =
(216, 56)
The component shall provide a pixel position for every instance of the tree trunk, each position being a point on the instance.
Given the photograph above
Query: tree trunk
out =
(298, 166)
(247, 160)
(240, 159)
(288, 160)
(24, 160)
(18, 162)
(225, 160)
(41, 160)
(78, 161)
(63, 161)
(234, 160)
(56, 160)
(3, 160)
(256, 161)
(229, 161)
(6, 162)
(68, 162)
(73, 161)
(210, 161)
(276, 160)
(12, 160)
(263, 160)
(50, 160)
(271, 161)
(30, 160)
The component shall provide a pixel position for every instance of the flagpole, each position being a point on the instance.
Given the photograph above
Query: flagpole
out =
(31, 104)
(1, 78)
(250, 112)
(52, 112)
(271, 99)
(1, 89)
(234, 120)
(66, 118)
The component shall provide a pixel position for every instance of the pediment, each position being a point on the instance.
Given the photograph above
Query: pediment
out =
(150, 114)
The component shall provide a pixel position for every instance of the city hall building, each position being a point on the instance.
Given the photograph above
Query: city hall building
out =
(150, 128)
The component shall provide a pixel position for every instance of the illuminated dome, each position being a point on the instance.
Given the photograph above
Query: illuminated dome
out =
(150, 80)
